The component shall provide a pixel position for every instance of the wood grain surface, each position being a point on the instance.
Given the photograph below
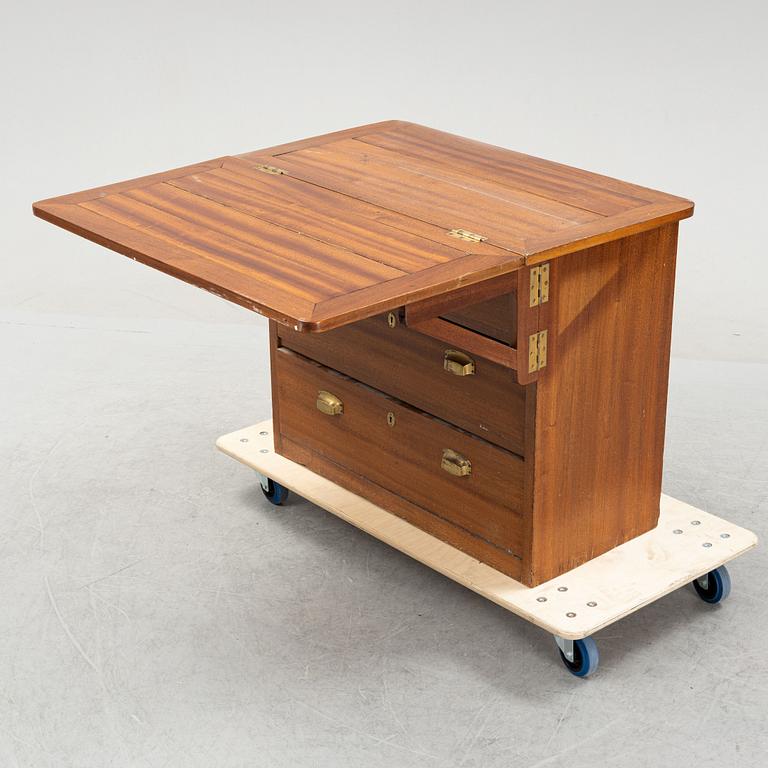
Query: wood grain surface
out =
(405, 457)
(409, 366)
(305, 460)
(495, 318)
(598, 449)
(359, 221)
(470, 341)
(589, 426)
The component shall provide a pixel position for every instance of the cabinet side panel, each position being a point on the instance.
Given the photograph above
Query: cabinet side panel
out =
(601, 403)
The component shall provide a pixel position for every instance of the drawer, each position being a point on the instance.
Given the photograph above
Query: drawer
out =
(411, 367)
(403, 450)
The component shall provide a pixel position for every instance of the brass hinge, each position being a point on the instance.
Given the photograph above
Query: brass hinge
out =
(537, 351)
(539, 285)
(269, 169)
(464, 234)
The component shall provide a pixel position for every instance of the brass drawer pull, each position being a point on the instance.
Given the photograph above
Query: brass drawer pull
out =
(329, 403)
(458, 363)
(455, 464)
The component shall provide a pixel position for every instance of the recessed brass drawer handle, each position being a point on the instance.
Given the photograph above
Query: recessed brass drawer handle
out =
(458, 363)
(329, 403)
(455, 464)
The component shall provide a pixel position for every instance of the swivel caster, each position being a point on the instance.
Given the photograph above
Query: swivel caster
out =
(715, 586)
(275, 493)
(579, 656)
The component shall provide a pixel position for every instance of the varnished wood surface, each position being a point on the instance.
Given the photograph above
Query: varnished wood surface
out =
(502, 560)
(591, 425)
(467, 300)
(495, 318)
(409, 366)
(461, 338)
(405, 458)
(597, 593)
(358, 222)
(601, 405)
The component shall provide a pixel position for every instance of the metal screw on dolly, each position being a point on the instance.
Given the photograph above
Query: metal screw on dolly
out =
(562, 589)
(592, 604)
(263, 432)
(541, 599)
(695, 522)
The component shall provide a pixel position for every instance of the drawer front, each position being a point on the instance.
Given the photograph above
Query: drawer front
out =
(411, 367)
(456, 476)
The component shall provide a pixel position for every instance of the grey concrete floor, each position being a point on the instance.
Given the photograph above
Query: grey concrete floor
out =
(156, 611)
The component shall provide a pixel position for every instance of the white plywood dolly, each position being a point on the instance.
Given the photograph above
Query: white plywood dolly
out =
(688, 546)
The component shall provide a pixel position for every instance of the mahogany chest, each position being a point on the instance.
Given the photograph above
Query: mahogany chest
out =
(475, 339)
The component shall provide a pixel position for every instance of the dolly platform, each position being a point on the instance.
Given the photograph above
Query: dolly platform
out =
(687, 546)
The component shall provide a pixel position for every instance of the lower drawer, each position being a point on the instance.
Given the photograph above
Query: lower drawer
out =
(447, 472)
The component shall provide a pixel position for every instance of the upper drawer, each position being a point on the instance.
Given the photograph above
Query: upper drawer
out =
(411, 366)
(459, 477)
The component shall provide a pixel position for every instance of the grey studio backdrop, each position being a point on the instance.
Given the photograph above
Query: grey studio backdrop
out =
(154, 610)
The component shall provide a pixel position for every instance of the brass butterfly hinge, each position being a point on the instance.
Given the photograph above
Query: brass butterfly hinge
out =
(537, 351)
(465, 234)
(269, 169)
(539, 285)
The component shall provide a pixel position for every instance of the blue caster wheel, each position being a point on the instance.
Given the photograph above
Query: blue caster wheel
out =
(274, 492)
(714, 586)
(579, 656)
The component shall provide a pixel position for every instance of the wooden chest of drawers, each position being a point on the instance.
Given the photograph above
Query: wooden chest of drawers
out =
(472, 338)
(561, 469)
